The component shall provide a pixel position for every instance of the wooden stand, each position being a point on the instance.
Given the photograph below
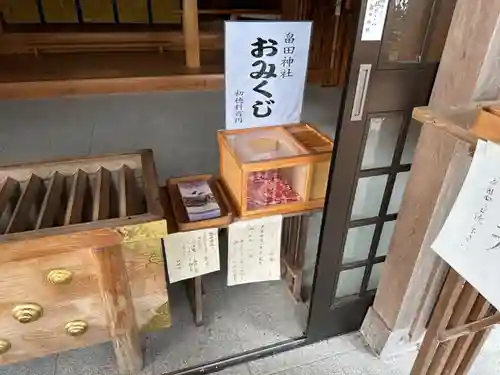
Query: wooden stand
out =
(80, 246)
(302, 160)
(176, 210)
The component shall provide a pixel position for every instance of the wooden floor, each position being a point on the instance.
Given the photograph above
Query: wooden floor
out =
(46, 75)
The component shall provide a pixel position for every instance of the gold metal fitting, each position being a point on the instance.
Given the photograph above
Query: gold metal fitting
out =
(4, 346)
(27, 312)
(59, 276)
(76, 328)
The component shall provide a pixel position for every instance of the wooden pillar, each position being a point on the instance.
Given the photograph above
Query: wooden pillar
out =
(191, 32)
(116, 295)
(413, 274)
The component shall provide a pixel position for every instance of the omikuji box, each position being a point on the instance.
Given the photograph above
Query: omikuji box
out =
(275, 169)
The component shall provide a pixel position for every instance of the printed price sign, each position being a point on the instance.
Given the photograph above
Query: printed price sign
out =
(470, 238)
(266, 64)
(254, 251)
(192, 254)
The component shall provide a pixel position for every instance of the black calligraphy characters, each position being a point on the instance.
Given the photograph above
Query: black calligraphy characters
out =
(266, 71)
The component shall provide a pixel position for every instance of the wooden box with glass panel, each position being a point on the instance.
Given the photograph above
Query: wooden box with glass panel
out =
(275, 169)
(81, 256)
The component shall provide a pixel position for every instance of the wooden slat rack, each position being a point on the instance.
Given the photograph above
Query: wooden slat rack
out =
(461, 318)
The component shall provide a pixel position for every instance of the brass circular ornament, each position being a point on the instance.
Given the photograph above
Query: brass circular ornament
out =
(27, 312)
(4, 346)
(76, 328)
(59, 276)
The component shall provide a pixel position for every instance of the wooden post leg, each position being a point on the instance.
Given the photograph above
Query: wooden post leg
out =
(191, 32)
(293, 253)
(195, 296)
(115, 292)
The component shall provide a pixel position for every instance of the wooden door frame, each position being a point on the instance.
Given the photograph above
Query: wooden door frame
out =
(404, 301)
(345, 170)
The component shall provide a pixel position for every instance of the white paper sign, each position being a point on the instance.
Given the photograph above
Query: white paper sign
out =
(470, 238)
(192, 254)
(373, 25)
(266, 64)
(254, 251)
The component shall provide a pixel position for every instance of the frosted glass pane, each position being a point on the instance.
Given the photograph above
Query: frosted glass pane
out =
(350, 282)
(397, 192)
(375, 275)
(381, 142)
(357, 244)
(369, 193)
(385, 238)
(411, 142)
(405, 28)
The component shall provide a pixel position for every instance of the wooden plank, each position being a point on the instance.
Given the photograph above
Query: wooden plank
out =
(471, 327)
(439, 321)
(69, 166)
(459, 317)
(78, 190)
(99, 41)
(475, 347)
(38, 88)
(52, 202)
(191, 32)
(9, 194)
(102, 195)
(150, 181)
(129, 198)
(29, 202)
(463, 344)
(120, 312)
(7, 190)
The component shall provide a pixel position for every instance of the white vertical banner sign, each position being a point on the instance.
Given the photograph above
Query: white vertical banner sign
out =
(373, 24)
(266, 66)
(470, 238)
(192, 254)
(254, 251)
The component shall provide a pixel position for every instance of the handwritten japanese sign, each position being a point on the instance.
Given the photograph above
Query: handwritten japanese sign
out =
(266, 64)
(470, 238)
(254, 251)
(373, 24)
(192, 254)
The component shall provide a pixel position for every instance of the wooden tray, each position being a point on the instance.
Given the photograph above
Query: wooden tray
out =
(180, 214)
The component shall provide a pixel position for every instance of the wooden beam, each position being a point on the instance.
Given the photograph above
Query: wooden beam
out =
(459, 317)
(119, 307)
(9, 194)
(465, 344)
(469, 328)
(28, 203)
(78, 190)
(191, 32)
(102, 195)
(128, 194)
(51, 204)
(7, 190)
(439, 321)
(60, 42)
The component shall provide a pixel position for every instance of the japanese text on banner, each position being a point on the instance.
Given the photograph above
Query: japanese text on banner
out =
(266, 65)
(192, 254)
(254, 250)
(470, 238)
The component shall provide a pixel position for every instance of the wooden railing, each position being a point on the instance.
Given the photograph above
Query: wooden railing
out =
(101, 46)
